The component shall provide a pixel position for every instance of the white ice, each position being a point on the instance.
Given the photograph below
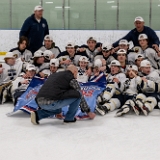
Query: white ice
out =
(104, 138)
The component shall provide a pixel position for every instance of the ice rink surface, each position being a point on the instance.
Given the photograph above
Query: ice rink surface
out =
(105, 138)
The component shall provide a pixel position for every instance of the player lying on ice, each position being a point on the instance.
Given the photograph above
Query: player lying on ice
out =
(141, 93)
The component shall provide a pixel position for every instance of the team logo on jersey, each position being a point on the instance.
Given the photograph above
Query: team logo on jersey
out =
(15, 56)
(136, 49)
(43, 25)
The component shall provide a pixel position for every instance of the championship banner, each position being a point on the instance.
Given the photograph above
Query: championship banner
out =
(27, 101)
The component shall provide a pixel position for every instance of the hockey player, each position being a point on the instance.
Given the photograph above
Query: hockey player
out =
(20, 84)
(138, 59)
(9, 71)
(92, 48)
(122, 58)
(123, 44)
(83, 66)
(130, 92)
(53, 67)
(98, 75)
(149, 97)
(49, 45)
(38, 61)
(21, 50)
(67, 57)
(105, 53)
(148, 52)
(112, 97)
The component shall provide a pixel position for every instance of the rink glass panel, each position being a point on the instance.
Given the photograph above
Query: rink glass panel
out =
(82, 15)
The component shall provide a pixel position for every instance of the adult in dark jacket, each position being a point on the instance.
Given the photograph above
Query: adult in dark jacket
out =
(140, 28)
(58, 91)
(35, 28)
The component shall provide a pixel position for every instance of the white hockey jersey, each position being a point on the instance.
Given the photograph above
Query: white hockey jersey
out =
(152, 56)
(17, 85)
(130, 87)
(121, 77)
(55, 51)
(10, 72)
(26, 55)
(82, 76)
(91, 54)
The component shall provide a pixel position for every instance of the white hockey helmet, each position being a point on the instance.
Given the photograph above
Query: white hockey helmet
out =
(145, 63)
(132, 67)
(48, 54)
(121, 51)
(98, 63)
(142, 37)
(48, 37)
(54, 62)
(139, 19)
(139, 56)
(83, 59)
(123, 41)
(115, 63)
(38, 53)
(106, 46)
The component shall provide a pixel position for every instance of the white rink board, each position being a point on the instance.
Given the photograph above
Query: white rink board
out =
(108, 137)
(9, 38)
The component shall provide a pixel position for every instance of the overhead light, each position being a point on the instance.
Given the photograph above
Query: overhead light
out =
(67, 7)
(58, 7)
(49, 2)
(158, 5)
(110, 1)
(114, 6)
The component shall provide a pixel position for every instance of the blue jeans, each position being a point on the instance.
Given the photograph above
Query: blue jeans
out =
(55, 108)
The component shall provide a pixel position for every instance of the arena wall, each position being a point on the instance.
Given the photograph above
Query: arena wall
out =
(9, 38)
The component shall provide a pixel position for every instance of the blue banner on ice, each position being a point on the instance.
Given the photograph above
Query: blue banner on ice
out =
(27, 102)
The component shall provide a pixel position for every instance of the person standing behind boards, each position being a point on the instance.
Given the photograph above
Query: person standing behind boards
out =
(35, 28)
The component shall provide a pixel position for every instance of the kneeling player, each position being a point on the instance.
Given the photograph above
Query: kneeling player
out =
(112, 98)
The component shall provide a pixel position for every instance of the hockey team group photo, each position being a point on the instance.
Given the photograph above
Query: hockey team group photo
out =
(77, 84)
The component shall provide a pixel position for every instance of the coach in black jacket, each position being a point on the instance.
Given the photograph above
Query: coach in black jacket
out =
(35, 28)
(58, 92)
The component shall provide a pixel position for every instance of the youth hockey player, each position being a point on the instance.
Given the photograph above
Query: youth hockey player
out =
(21, 50)
(38, 61)
(149, 53)
(112, 98)
(130, 92)
(92, 48)
(149, 96)
(83, 66)
(49, 45)
(122, 58)
(8, 72)
(53, 67)
(105, 53)
(20, 84)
